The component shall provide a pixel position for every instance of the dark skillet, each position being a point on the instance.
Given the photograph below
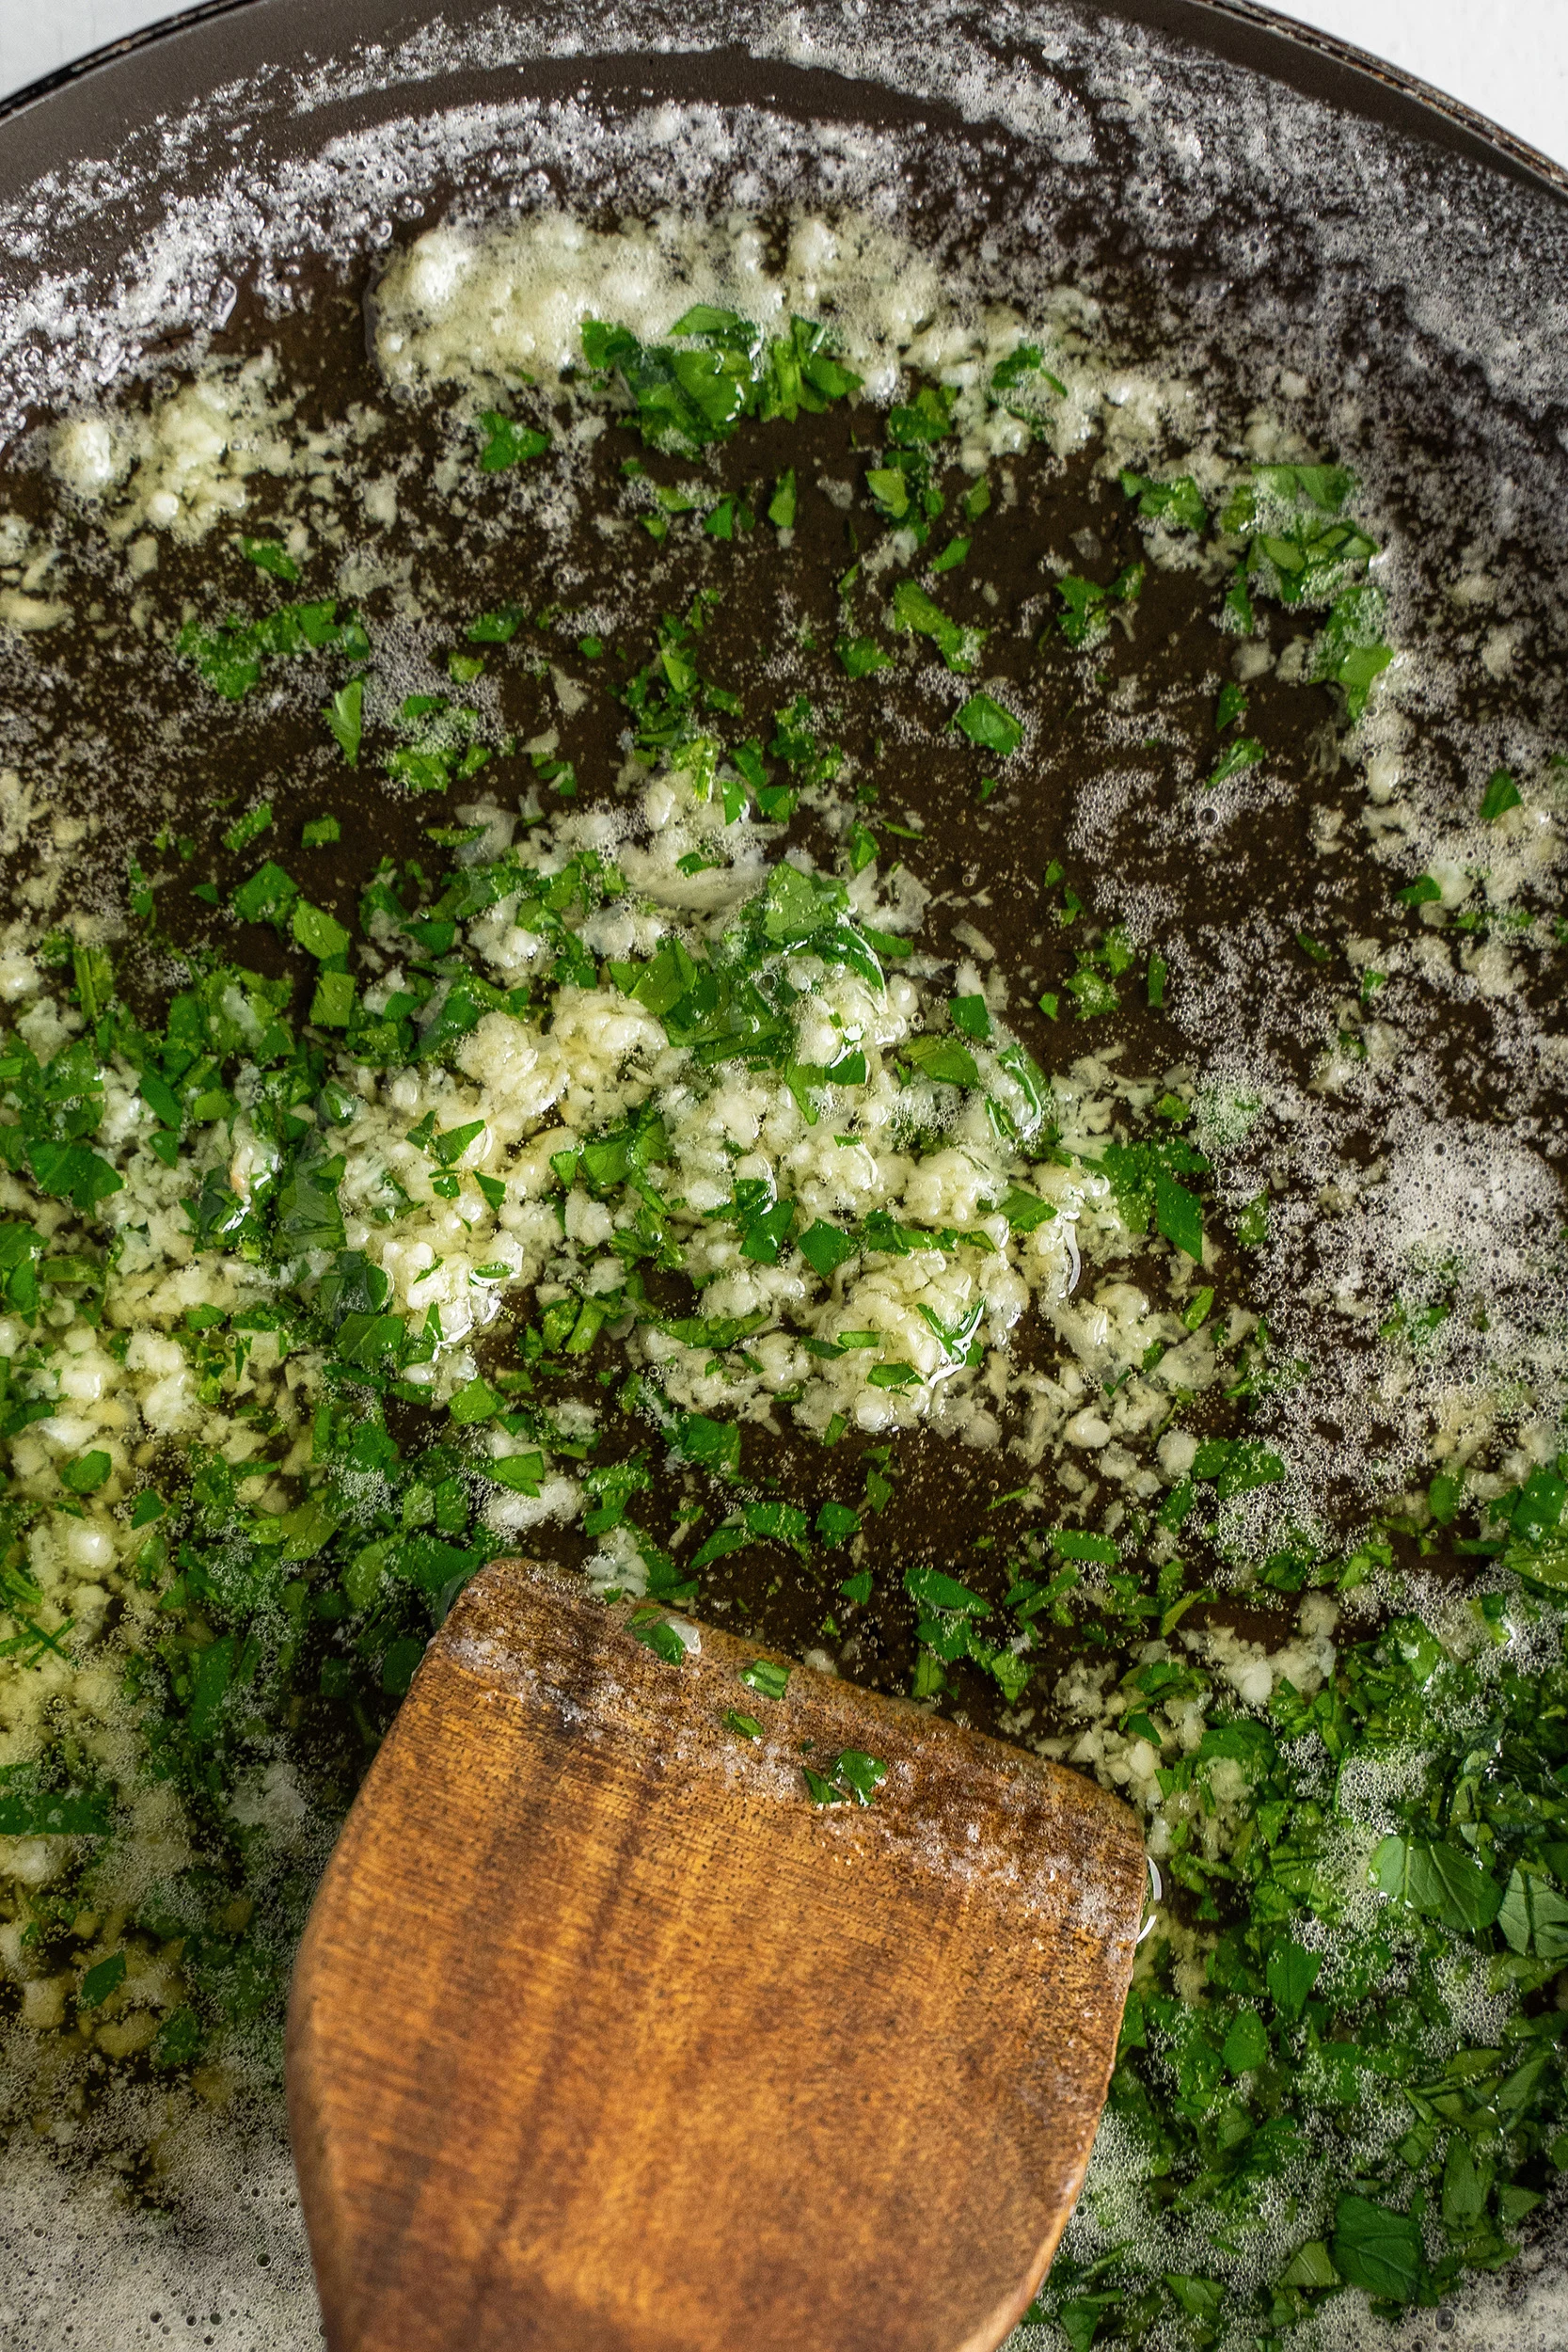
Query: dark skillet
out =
(1254, 232)
(1241, 272)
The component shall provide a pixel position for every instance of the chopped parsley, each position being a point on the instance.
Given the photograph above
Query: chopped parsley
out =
(989, 726)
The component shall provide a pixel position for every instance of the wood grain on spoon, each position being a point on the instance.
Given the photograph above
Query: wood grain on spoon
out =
(605, 2037)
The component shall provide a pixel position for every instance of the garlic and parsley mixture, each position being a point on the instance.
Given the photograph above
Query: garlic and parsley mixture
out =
(580, 1011)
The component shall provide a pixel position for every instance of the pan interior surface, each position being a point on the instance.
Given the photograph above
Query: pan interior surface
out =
(1359, 1023)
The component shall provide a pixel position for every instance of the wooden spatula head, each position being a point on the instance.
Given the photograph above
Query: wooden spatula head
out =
(606, 2036)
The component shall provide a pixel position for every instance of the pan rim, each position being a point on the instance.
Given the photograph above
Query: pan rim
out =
(1335, 72)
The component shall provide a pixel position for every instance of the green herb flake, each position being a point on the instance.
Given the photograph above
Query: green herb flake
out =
(914, 611)
(1077, 1543)
(989, 726)
(1500, 795)
(1179, 1215)
(508, 443)
(496, 628)
(657, 1634)
(1378, 2250)
(1178, 505)
(861, 657)
(862, 848)
(332, 1001)
(825, 1248)
(106, 1977)
(1092, 993)
(1085, 620)
(1025, 1210)
(86, 1472)
(1443, 1882)
(1021, 382)
(1534, 1916)
(944, 1059)
(1244, 752)
(318, 933)
(1292, 1973)
(344, 715)
(247, 828)
(521, 1473)
(971, 1015)
(475, 1402)
(1236, 614)
(932, 1588)
(860, 1774)
(1252, 1226)
(269, 555)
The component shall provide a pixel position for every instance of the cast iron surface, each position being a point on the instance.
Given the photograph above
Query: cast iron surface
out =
(91, 109)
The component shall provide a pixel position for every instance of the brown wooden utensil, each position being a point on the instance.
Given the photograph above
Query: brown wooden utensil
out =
(613, 2032)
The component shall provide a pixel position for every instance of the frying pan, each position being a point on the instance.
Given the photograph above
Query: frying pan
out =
(1202, 169)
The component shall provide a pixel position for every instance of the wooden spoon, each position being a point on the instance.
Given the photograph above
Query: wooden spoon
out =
(607, 2034)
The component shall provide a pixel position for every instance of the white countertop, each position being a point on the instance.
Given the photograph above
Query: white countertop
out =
(1509, 60)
